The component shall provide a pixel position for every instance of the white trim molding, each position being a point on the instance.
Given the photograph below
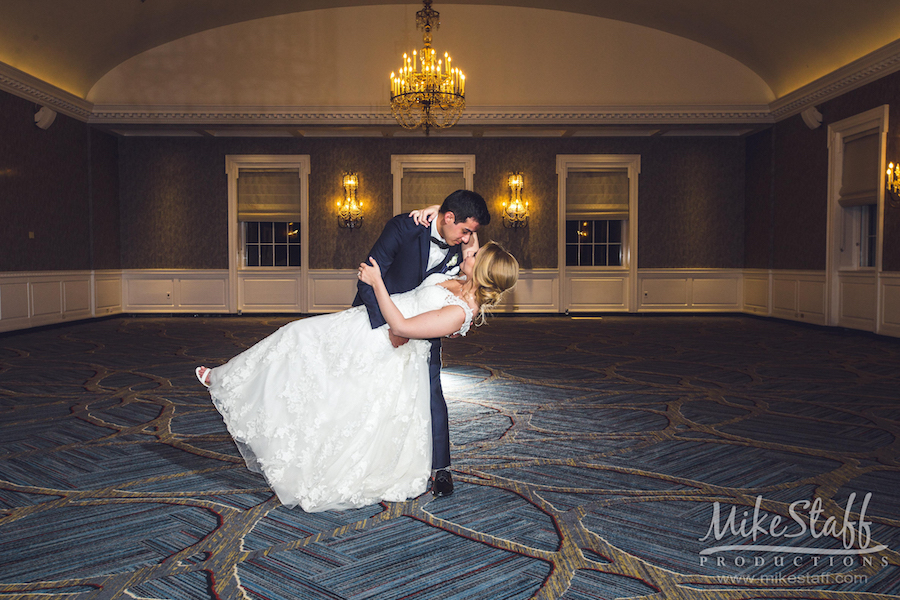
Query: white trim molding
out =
(175, 290)
(848, 284)
(23, 85)
(858, 73)
(862, 71)
(537, 291)
(267, 289)
(453, 162)
(889, 317)
(599, 288)
(33, 299)
(690, 290)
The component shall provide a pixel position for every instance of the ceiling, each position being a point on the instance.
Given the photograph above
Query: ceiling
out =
(765, 56)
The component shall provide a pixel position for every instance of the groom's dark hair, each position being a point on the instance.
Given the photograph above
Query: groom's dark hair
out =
(466, 204)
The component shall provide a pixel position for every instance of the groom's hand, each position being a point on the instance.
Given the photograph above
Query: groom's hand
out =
(396, 340)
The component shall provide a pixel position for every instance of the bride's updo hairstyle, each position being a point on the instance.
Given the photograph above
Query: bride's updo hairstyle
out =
(496, 271)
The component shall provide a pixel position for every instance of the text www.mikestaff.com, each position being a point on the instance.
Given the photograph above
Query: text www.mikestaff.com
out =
(801, 580)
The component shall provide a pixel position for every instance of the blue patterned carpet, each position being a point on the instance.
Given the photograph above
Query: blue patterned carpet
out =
(591, 456)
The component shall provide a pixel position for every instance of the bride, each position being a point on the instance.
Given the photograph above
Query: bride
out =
(330, 412)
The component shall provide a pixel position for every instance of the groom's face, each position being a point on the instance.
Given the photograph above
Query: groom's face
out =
(457, 233)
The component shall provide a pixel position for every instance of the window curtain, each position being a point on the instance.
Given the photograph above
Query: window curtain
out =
(597, 195)
(421, 188)
(268, 195)
(861, 170)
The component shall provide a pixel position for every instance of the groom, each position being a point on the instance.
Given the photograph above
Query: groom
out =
(407, 253)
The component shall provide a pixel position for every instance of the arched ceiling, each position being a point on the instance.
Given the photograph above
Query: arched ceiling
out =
(89, 47)
(788, 43)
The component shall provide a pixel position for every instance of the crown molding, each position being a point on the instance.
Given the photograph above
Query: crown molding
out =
(618, 115)
(31, 88)
(858, 73)
(357, 116)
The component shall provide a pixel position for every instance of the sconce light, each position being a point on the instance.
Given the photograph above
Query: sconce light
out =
(350, 210)
(515, 212)
(892, 185)
(44, 117)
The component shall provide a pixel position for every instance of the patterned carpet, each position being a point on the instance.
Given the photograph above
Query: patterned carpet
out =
(722, 457)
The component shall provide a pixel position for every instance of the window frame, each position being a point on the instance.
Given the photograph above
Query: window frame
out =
(574, 162)
(843, 272)
(401, 162)
(233, 164)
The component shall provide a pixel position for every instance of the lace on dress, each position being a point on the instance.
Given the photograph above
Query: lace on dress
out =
(456, 300)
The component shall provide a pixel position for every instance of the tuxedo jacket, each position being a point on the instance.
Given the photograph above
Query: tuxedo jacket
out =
(402, 254)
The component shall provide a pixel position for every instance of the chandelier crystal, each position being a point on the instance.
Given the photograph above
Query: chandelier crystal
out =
(427, 92)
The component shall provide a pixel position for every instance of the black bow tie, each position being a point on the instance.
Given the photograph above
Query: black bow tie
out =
(440, 244)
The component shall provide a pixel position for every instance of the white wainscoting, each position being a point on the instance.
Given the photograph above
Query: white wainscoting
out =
(277, 291)
(32, 299)
(689, 290)
(107, 293)
(867, 302)
(756, 288)
(175, 290)
(857, 295)
(890, 304)
(536, 292)
(596, 291)
(330, 290)
(791, 295)
(799, 296)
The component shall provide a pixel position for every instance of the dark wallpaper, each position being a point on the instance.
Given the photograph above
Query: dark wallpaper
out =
(174, 199)
(800, 212)
(104, 186)
(97, 201)
(884, 91)
(798, 157)
(43, 189)
(758, 201)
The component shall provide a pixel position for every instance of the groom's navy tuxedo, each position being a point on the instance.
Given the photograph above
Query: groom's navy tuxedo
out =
(402, 254)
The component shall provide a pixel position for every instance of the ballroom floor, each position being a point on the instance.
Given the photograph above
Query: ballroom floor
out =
(622, 457)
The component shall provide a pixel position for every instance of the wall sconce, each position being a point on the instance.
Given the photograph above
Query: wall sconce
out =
(515, 212)
(892, 185)
(350, 209)
(44, 117)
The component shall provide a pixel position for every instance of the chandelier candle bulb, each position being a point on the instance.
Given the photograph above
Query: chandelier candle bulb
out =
(427, 92)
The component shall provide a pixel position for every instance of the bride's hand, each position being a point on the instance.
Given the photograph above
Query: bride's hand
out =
(370, 274)
(426, 215)
(472, 246)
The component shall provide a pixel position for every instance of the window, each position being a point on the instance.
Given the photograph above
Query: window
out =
(594, 243)
(858, 198)
(424, 187)
(268, 232)
(268, 203)
(421, 180)
(271, 243)
(597, 207)
(598, 232)
(867, 235)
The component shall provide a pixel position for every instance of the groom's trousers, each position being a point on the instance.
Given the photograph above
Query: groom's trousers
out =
(440, 428)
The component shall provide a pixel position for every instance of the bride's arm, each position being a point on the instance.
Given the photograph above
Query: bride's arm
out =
(432, 324)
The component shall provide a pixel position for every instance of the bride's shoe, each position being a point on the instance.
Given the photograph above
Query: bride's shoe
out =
(204, 376)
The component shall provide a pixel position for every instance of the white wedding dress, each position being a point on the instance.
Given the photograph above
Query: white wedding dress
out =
(330, 412)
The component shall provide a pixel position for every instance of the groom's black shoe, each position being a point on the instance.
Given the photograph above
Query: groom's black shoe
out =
(443, 484)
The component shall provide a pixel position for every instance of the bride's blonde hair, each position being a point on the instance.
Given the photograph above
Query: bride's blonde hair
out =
(496, 271)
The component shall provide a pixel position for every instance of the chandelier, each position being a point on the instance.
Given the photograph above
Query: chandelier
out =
(427, 92)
